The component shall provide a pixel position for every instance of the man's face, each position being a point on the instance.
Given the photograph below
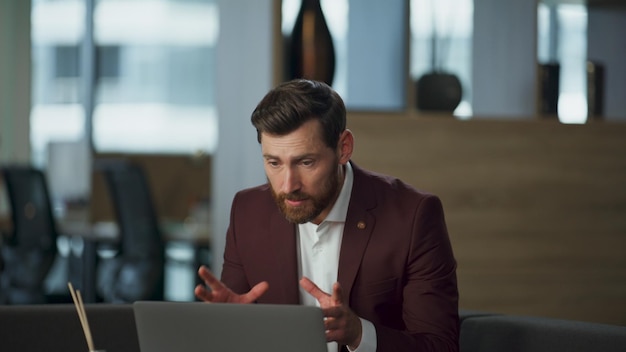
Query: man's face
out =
(304, 173)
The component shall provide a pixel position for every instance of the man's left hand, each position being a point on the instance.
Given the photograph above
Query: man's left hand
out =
(341, 323)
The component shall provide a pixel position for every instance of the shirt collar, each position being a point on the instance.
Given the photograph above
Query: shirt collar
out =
(340, 208)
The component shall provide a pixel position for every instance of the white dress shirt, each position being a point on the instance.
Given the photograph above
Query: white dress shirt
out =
(318, 254)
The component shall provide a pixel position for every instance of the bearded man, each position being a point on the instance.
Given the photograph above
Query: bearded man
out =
(372, 251)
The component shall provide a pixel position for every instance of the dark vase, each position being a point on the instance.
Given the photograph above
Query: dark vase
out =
(310, 50)
(438, 91)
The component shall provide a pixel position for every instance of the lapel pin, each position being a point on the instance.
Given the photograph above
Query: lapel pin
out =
(361, 225)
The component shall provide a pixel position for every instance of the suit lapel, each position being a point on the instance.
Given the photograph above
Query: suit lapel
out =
(285, 275)
(357, 231)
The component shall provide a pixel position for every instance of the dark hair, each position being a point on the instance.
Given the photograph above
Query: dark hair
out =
(290, 104)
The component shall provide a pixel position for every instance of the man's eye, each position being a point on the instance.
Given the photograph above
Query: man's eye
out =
(272, 163)
(307, 162)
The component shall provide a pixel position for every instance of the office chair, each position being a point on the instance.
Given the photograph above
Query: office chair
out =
(28, 252)
(136, 272)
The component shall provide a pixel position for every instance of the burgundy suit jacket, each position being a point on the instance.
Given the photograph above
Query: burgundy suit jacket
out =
(396, 265)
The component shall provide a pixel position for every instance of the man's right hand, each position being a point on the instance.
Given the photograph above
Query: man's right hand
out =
(216, 292)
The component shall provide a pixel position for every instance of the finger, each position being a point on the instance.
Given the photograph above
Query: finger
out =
(333, 312)
(331, 328)
(257, 291)
(327, 324)
(312, 289)
(333, 336)
(343, 326)
(209, 278)
(337, 296)
(203, 294)
(206, 274)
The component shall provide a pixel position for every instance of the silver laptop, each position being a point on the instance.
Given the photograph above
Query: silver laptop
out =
(222, 327)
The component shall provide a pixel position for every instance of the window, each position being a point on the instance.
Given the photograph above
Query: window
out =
(370, 47)
(336, 15)
(154, 75)
(57, 114)
(368, 37)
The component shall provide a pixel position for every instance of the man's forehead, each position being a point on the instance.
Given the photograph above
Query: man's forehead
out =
(290, 146)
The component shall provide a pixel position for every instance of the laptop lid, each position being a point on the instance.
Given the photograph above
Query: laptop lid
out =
(222, 327)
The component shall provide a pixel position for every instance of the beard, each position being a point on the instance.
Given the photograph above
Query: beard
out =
(316, 203)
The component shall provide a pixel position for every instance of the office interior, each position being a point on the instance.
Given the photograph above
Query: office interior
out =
(534, 202)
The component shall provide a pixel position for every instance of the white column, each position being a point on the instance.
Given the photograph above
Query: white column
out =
(15, 81)
(244, 74)
(606, 45)
(504, 60)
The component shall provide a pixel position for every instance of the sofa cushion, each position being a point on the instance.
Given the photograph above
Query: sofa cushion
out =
(497, 333)
(469, 313)
(56, 327)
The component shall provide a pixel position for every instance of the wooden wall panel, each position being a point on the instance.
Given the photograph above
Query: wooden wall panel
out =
(536, 209)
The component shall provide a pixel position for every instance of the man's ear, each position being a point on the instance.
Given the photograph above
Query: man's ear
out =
(346, 146)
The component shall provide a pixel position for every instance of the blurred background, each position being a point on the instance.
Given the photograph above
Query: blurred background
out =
(169, 85)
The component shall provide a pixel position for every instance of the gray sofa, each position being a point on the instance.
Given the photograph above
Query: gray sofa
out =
(52, 328)
(56, 328)
(498, 333)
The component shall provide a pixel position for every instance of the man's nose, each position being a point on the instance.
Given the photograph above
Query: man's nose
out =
(291, 181)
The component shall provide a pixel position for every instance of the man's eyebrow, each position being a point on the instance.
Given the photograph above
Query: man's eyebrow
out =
(296, 158)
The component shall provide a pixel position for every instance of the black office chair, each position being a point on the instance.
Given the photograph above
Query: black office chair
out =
(28, 252)
(137, 270)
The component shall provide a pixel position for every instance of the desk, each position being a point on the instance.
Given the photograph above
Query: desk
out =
(107, 231)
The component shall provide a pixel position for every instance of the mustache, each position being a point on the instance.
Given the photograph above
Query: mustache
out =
(296, 196)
